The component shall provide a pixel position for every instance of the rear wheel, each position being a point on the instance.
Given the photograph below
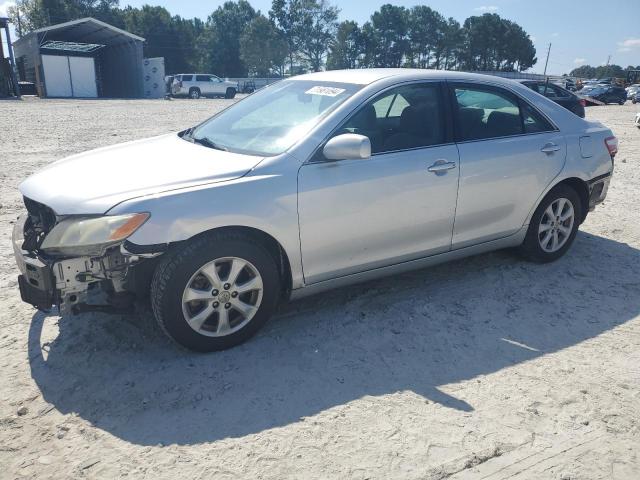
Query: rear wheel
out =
(231, 93)
(194, 93)
(216, 292)
(554, 225)
(622, 102)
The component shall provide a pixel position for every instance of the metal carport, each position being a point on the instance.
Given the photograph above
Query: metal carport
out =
(118, 55)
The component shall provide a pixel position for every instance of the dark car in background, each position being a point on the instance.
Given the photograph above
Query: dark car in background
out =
(587, 88)
(561, 96)
(608, 94)
(569, 84)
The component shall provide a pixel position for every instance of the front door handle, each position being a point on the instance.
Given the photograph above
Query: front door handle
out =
(550, 148)
(441, 166)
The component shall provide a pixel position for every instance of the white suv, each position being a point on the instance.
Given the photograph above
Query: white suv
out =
(195, 85)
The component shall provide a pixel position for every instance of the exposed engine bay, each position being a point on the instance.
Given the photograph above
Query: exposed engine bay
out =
(77, 284)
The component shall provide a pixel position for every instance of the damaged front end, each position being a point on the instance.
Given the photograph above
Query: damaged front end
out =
(75, 263)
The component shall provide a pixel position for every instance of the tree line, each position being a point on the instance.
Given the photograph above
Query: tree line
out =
(602, 71)
(299, 35)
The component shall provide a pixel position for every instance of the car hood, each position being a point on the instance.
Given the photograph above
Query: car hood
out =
(95, 181)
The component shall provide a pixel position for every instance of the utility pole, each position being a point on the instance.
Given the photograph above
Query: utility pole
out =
(547, 62)
(19, 31)
(12, 60)
(608, 59)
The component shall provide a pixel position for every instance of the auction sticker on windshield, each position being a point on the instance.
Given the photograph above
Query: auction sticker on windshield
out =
(326, 91)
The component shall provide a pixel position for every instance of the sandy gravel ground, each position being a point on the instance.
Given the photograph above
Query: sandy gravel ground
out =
(485, 368)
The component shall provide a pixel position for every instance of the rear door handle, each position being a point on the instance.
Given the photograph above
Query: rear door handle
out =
(550, 148)
(441, 166)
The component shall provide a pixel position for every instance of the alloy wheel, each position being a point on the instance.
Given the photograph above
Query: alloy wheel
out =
(222, 296)
(556, 225)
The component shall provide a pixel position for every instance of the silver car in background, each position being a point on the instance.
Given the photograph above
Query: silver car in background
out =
(315, 182)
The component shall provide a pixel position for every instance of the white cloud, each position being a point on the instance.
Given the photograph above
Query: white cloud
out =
(532, 38)
(4, 6)
(628, 44)
(580, 61)
(487, 9)
(555, 34)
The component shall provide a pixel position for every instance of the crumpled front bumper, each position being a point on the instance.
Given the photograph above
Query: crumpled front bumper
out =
(36, 280)
(68, 283)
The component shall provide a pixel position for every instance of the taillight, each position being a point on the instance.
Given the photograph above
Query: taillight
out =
(612, 145)
(583, 102)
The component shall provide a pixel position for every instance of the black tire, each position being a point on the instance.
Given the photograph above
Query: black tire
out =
(231, 93)
(174, 271)
(531, 248)
(194, 93)
(622, 102)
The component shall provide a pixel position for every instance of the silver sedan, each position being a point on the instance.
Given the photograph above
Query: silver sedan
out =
(315, 182)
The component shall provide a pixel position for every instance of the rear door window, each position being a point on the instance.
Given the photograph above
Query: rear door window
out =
(483, 112)
(549, 90)
(561, 92)
(553, 91)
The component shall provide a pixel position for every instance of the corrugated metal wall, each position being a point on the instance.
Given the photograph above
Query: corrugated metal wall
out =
(120, 70)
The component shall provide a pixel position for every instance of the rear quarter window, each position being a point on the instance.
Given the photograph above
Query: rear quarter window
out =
(533, 121)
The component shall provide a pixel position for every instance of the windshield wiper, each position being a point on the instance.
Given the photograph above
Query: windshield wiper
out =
(204, 141)
(187, 133)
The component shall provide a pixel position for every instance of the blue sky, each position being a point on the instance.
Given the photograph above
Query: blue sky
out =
(581, 32)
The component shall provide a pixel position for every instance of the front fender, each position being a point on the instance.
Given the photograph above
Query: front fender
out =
(263, 202)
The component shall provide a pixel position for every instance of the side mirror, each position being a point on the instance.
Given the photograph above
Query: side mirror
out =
(348, 146)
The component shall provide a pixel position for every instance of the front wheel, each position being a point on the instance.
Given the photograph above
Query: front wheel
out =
(230, 93)
(554, 226)
(216, 292)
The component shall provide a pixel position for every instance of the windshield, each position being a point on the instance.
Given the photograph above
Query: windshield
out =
(273, 119)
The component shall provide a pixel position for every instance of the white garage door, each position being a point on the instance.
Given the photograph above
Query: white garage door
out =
(83, 77)
(69, 76)
(57, 76)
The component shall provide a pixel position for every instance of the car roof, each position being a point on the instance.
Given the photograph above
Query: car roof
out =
(366, 76)
(531, 80)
